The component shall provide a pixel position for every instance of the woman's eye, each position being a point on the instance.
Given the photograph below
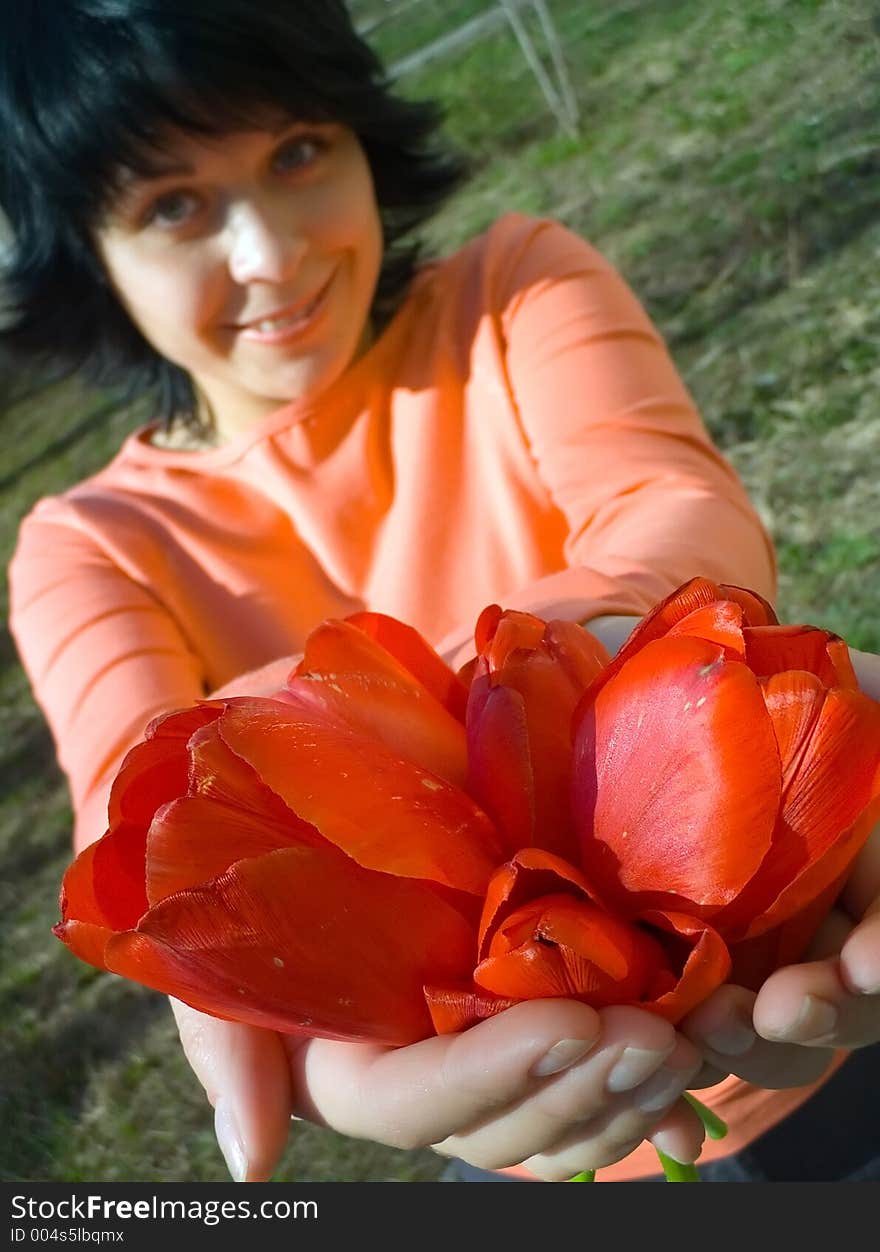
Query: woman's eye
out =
(299, 153)
(173, 209)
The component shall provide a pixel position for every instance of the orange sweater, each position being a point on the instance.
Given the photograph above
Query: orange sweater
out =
(517, 434)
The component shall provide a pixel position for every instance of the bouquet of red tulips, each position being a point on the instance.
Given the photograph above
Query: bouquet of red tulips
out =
(397, 850)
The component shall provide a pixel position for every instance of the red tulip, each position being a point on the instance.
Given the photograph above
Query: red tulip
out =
(266, 866)
(525, 683)
(542, 931)
(728, 768)
(312, 864)
(377, 676)
(542, 934)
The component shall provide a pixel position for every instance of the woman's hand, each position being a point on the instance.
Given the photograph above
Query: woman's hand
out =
(550, 1083)
(786, 1034)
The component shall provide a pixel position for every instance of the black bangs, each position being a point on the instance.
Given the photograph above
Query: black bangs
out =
(95, 90)
(92, 90)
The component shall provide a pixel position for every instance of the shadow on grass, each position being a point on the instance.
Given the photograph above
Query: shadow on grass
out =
(71, 1026)
(31, 755)
(63, 443)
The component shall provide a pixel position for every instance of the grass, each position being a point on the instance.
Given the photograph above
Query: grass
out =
(728, 163)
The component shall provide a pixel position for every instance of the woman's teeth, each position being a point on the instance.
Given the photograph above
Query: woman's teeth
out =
(290, 319)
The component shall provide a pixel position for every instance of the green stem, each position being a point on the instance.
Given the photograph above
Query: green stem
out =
(675, 1171)
(589, 1175)
(715, 1128)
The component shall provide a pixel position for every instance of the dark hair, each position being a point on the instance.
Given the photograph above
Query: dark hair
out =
(89, 87)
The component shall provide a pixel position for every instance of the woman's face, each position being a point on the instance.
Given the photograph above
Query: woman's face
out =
(251, 261)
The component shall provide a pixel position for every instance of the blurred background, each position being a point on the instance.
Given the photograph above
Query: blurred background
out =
(726, 157)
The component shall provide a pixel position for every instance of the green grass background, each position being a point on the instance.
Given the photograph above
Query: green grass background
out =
(728, 163)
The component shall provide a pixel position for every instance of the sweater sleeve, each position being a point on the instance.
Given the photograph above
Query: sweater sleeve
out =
(102, 654)
(648, 500)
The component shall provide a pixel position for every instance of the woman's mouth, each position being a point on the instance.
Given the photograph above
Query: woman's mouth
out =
(286, 326)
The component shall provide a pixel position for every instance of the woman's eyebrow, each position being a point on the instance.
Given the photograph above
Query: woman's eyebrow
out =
(144, 170)
(152, 171)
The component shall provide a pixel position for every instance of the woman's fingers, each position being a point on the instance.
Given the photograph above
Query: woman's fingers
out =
(551, 1082)
(419, 1095)
(619, 1122)
(860, 956)
(598, 1107)
(811, 1005)
(833, 999)
(245, 1072)
(724, 1028)
(679, 1133)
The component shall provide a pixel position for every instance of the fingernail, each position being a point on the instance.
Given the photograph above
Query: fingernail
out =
(664, 1088)
(866, 988)
(634, 1066)
(666, 1142)
(561, 1055)
(816, 1019)
(230, 1142)
(863, 986)
(733, 1037)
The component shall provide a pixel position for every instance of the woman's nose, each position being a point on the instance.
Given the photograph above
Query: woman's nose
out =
(265, 242)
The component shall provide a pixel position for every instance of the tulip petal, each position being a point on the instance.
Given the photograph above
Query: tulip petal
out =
(414, 652)
(350, 677)
(499, 766)
(117, 879)
(844, 745)
(563, 946)
(756, 610)
(829, 804)
(457, 1008)
(195, 839)
(387, 813)
(676, 780)
(156, 769)
(580, 655)
(548, 702)
(775, 649)
(303, 939)
(794, 701)
(86, 940)
(78, 896)
(487, 624)
(513, 637)
(696, 593)
(531, 873)
(691, 597)
(511, 631)
(519, 743)
(720, 622)
(702, 956)
(106, 882)
(228, 815)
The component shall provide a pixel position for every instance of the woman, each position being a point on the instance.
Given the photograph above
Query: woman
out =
(224, 195)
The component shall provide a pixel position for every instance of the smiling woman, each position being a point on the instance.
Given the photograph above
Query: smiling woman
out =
(250, 262)
(179, 193)
(216, 206)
